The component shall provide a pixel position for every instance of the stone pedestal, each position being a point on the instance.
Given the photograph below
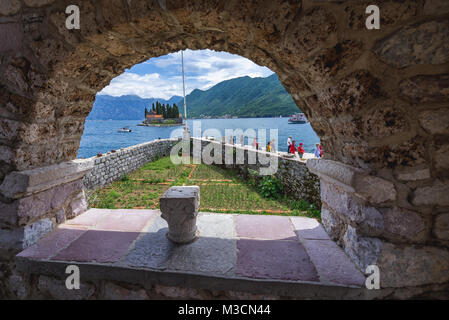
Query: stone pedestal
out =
(179, 206)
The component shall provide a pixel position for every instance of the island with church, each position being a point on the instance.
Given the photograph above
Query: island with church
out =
(162, 115)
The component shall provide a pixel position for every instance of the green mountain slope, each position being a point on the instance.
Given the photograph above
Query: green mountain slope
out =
(242, 97)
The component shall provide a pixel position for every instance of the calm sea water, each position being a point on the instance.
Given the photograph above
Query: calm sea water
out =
(103, 136)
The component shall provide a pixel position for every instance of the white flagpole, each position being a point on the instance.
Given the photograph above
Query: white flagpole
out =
(184, 89)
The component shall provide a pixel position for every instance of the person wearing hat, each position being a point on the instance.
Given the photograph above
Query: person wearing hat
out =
(289, 143)
(301, 150)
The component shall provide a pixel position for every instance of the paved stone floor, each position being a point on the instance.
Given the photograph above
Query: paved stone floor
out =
(275, 248)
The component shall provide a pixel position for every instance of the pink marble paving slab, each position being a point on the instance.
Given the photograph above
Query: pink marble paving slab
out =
(264, 227)
(332, 264)
(128, 221)
(274, 259)
(309, 228)
(90, 218)
(53, 243)
(117, 220)
(98, 246)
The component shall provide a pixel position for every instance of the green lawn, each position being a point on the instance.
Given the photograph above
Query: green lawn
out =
(221, 191)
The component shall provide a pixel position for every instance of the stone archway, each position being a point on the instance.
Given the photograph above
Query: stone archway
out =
(377, 98)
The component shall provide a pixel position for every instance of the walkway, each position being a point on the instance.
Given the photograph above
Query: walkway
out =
(288, 256)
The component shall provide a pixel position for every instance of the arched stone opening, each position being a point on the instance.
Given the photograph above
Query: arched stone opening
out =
(376, 98)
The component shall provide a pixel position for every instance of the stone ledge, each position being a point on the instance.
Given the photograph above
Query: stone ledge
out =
(148, 278)
(256, 254)
(19, 184)
(353, 180)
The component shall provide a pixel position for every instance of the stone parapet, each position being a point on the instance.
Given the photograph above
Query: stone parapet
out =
(114, 165)
(25, 183)
(297, 180)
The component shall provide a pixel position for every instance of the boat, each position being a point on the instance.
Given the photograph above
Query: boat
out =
(125, 129)
(298, 118)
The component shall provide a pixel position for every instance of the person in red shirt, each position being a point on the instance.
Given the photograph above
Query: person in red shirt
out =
(293, 147)
(301, 150)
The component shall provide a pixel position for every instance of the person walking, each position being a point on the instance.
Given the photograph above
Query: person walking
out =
(301, 150)
(289, 143)
(273, 145)
(293, 148)
(317, 151)
(269, 147)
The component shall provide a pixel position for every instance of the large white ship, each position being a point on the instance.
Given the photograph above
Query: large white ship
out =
(298, 118)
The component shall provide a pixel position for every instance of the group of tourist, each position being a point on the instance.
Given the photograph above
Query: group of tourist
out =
(292, 149)
(271, 147)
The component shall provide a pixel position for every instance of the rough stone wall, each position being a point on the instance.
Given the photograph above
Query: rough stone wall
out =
(46, 287)
(112, 166)
(378, 99)
(297, 181)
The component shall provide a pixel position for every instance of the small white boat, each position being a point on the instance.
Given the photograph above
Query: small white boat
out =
(125, 129)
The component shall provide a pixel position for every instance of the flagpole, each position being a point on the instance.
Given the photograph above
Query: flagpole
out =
(186, 134)
(184, 89)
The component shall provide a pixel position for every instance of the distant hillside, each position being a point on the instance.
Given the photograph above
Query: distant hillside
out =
(242, 97)
(123, 108)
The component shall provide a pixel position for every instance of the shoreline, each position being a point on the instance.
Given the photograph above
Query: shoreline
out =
(160, 125)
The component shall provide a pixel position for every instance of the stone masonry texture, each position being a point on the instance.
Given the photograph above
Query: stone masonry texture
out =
(114, 165)
(376, 98)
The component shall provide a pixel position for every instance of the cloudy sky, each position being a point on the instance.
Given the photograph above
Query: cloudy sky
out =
(162, 78)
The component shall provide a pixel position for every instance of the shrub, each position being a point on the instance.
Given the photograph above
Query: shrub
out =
(270, 187)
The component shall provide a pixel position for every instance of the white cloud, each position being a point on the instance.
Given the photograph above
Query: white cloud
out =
(145, 86)
(204, 69)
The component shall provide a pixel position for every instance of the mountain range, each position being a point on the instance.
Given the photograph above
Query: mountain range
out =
(129, 107)
(241, 97)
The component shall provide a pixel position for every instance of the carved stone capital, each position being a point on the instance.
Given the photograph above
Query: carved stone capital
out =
(179, 207)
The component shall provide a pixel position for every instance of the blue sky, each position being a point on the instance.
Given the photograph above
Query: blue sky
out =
(161, 77)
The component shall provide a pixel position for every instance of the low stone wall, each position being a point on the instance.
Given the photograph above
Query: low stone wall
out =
(297, 180)
(112, 166)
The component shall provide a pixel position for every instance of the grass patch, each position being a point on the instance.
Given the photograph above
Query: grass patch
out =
(222, 190)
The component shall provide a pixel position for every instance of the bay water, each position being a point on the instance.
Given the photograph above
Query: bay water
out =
(101, 136)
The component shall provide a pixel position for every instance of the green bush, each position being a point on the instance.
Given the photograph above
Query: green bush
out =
(124, 178)
(270, 187)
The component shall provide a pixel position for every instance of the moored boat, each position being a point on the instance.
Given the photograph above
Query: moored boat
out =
(298, 118)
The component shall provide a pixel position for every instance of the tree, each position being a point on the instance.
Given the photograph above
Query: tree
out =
(175, 111)
(153, 108)
(163, 111)
(146, 112)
